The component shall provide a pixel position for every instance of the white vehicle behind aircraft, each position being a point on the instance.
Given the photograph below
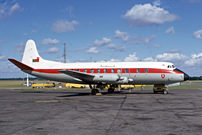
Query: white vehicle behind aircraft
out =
(159, 74)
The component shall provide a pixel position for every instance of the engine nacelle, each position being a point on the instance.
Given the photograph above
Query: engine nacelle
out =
(123, 80)
(106, 78)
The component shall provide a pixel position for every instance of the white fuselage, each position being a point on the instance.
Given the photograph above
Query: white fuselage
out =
(107, 72)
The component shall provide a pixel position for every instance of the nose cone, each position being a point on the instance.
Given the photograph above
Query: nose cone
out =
(186, 77)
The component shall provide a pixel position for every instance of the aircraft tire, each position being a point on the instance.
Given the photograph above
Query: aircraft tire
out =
(94, 91)
(110, 90)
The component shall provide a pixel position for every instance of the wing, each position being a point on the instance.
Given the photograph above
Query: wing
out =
(79, 75)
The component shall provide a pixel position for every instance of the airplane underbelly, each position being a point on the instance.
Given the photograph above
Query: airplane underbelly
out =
(57, 77)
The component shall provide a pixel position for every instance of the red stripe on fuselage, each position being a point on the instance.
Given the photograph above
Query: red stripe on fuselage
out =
(109, 70)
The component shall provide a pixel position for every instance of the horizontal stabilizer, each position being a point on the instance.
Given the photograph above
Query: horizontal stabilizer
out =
(76, 74)
(20, 65)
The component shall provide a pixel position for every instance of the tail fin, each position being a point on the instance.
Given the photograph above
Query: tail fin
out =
(30, 53)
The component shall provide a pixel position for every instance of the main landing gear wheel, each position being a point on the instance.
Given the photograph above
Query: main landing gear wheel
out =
(94, 91)
(110, 90)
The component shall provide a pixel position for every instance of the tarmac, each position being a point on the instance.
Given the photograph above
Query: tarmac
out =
(78, 113)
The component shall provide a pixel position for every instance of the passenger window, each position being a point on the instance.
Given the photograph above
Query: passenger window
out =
(146, 70)
(138, 70)
(98, 70)
(119, 70)
(105, 70)
(92, 70)
(85, 70)
(112, 70)
(78, 70)
(126, 70)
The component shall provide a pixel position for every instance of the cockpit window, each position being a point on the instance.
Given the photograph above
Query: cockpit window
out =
(171, 66)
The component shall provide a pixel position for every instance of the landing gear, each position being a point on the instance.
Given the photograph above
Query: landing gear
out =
(110, 90)
(94, 91)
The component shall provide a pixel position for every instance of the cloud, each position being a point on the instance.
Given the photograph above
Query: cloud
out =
(53, 50)
(174, 51)
(80, 49)
(69, 9)
(94, 50)
(198, 34)
(49, 41)
(157, 3)
(176, 58)
(115, 60)
(132, 58)
(6, 9)
(170, 31)
(116, 48)
(149, 59)
(140, 40)
(19, 47)
(103, 42)
(124, 36)
(155, 46)
(3, 11)
(14, 8)
(144, 15)
(34, 31)
(3, 58)
(61, 26)
(60, 58)
(3, 41)
(9, 68)
(82, 60)
(195, 60)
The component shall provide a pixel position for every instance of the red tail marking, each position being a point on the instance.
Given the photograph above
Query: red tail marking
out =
(21, 65)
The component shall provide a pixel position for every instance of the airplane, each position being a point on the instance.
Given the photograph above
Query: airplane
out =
(159, 74)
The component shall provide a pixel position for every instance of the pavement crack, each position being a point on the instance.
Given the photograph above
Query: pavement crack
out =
(117, 114)
(176, 114)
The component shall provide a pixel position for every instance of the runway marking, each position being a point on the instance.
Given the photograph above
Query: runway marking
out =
(56, 101)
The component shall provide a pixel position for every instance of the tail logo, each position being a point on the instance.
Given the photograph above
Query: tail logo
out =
(35, 60)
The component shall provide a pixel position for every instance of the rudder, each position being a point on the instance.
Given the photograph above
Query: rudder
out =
(30, 53)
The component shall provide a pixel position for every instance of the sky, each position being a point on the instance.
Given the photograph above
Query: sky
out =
(103, 30)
